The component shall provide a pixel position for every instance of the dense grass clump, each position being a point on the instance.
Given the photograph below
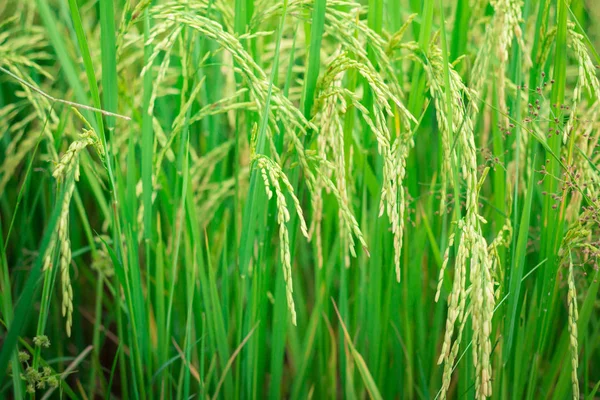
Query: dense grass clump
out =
(299, 199)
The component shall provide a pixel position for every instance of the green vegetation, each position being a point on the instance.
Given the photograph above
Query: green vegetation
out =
(299, 199)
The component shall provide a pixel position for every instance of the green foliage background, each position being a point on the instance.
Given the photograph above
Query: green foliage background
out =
(299, 199)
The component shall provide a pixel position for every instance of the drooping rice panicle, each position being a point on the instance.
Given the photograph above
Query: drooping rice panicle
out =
(66, 174)
(273, 177)
(472, 244)
(573, 316)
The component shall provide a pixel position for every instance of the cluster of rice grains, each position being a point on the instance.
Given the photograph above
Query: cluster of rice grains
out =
(473, 253)
(22, 48)
(66, 174)
(333, 103)
(272, 176)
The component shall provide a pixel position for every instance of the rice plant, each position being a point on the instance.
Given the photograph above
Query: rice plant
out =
(299, 199)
